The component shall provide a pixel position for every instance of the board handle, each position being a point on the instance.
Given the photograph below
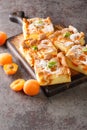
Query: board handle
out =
(17, 17)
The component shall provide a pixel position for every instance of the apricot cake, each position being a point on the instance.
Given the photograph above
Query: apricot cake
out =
(53, 50)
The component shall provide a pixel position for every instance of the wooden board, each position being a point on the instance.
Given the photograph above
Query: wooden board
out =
(77, 78)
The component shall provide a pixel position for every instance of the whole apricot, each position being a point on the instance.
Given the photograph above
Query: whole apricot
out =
(5, 58)
(31, 87)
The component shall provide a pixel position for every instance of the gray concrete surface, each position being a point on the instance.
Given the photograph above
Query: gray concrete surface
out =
(64, 111)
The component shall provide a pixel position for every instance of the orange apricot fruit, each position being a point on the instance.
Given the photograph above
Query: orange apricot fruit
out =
(10, 69)
(5, 58)
(3, 38)
(31, 87)
(17, 85)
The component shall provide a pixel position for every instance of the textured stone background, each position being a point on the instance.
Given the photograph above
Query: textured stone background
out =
(64, 111)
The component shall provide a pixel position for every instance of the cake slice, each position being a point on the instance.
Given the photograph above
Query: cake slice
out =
(66, 38)
(76, 58)
(53, 71)
(34, 27)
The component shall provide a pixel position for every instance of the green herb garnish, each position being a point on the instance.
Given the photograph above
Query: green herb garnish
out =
(51, 64)
(35, 47)
(39, 22)
(84, 49)
(67, 34)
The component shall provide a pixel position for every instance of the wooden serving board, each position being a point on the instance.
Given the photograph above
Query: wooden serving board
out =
(50, 90)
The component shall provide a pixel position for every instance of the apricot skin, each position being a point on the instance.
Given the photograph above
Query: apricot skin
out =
(17, 85)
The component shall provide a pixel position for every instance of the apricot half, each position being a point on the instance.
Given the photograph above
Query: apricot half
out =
(17, 85)
(10, 69)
